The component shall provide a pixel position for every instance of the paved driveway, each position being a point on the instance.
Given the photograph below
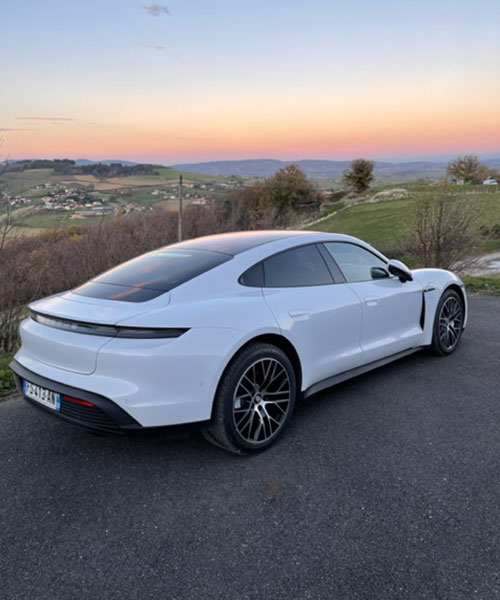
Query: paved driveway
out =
(385, 487)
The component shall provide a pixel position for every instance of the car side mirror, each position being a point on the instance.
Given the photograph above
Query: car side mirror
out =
(400, 270)
(378, 273)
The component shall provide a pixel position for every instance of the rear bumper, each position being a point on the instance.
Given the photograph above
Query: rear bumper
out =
(158, 382)
(103, 416)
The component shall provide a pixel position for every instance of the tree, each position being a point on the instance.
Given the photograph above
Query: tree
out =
(288, 193)
(6, 221)
(445, 230)
(359, 176)
(468, 169)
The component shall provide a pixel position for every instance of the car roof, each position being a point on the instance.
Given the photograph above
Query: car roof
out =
(235, 243)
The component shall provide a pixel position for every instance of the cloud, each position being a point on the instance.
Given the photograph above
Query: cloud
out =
(158, 47)
(155, 10)
(37, 118)
(15, 129)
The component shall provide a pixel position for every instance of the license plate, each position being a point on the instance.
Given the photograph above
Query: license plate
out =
(42, 395)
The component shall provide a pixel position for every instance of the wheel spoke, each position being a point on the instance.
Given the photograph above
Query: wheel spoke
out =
(259, 429)
(271, 419)
(245, 387)
(248, 418)
(267, 372)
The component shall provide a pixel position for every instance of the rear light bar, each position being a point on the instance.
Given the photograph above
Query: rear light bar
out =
(108, 330)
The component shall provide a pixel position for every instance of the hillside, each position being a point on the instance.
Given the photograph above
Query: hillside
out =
(59, 193)
(385, 223)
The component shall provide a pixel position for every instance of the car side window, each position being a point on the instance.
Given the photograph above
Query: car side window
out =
(356, 263)
(254, 277)
(303, 266)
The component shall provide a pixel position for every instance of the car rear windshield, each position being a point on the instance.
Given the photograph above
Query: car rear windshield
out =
(150, 275)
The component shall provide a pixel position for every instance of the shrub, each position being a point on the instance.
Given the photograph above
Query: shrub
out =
(445, 229)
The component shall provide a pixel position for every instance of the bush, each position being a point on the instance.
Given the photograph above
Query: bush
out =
(445, 230)
(6, 378)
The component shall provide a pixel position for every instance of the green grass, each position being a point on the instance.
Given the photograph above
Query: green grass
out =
(141, 196)
(47, 220)
(58, 218)
(6, 379)
(380, 224)
(172, 175)
(384, 223)
(140, 180)
(17, 183)
(483, 284)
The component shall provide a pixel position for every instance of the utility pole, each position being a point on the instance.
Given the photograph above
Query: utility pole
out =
(180, 208)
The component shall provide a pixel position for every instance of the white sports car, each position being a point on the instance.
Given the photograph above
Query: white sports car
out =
(225, 333)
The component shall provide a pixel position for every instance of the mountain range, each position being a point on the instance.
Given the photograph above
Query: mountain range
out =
(318, 169)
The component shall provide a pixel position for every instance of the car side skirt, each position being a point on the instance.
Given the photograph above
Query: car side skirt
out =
(330, 381)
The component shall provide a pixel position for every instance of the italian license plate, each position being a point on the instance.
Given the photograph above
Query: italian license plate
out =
(42, 395)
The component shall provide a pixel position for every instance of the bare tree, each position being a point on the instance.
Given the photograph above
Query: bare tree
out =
(5, 220)
(445, 230)
(468, 169)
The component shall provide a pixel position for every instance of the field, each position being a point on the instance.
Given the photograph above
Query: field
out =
(19, 183)
(383, 224)
(53, 199)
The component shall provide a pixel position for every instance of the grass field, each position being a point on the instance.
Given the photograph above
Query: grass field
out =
(172, 175)
(483, 284)
(57, 218)
(384, 223)
(17, 183)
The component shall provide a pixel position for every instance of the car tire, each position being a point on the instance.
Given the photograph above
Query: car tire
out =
(448, 323)
(255, 400)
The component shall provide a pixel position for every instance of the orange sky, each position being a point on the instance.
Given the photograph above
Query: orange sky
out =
(320, 81)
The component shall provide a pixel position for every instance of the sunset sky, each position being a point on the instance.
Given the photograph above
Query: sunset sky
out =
(192, 80)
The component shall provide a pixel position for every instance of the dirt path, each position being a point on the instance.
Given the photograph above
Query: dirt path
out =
(489, 264)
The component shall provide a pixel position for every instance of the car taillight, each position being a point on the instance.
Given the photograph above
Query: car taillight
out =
(108, 330)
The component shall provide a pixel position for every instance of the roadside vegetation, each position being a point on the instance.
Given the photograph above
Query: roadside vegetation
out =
(482, 284)
(6, 378)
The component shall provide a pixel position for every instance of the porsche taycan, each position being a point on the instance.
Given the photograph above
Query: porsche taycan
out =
(226, 332)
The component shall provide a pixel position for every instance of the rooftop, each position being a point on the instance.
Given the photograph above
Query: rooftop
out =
(234, 243)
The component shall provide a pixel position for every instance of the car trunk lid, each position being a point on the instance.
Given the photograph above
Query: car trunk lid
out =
(73, 350)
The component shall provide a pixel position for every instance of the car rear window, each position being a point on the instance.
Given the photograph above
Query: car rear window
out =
(150, 275)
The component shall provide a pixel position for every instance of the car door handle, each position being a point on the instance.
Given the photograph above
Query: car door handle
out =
(299, 314)
(371, 300)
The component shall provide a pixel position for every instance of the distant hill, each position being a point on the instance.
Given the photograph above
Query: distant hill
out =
(313, 168)
(86, 161)
(319, 169)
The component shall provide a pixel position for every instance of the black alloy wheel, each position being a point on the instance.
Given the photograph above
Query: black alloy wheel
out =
(448, 323)
(255, 400)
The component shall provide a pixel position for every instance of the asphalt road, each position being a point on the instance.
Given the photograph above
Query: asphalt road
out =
(384, 487)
